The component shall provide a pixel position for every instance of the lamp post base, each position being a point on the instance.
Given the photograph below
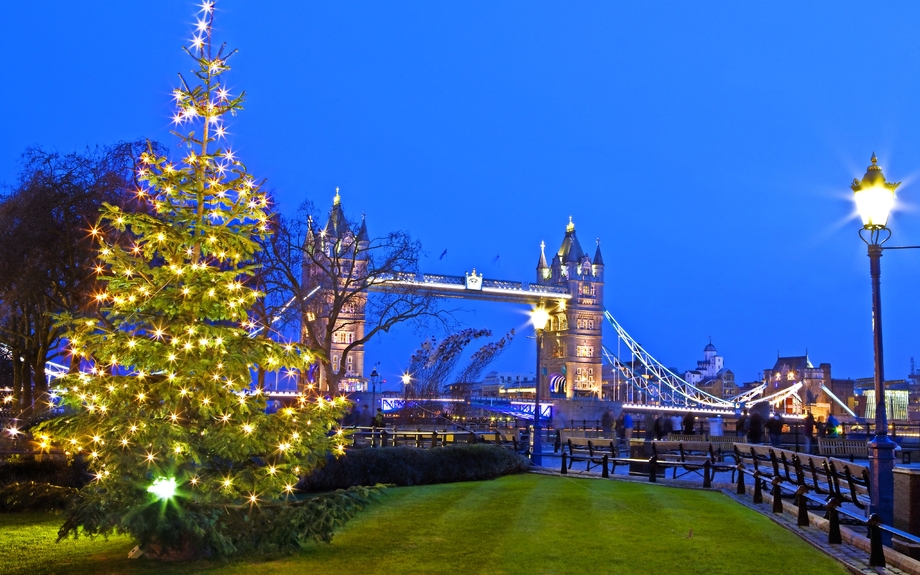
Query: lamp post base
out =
(881, 477)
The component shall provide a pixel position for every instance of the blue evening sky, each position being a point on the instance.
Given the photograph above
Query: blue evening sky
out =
(709, 145)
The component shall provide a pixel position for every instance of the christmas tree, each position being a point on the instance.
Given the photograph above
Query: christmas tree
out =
(182, 450)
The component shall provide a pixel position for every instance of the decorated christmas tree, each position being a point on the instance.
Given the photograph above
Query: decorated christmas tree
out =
(184, 456)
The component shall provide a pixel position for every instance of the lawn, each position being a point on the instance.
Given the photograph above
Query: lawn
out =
(518, 524)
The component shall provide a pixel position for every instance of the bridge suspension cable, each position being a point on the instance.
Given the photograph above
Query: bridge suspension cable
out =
(660, 383)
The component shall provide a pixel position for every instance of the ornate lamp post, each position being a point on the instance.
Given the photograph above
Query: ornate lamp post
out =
(874, 201)
(539, 316)
(406, 379)
(375, 379)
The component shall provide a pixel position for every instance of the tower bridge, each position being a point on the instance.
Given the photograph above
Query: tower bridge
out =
(570, 285)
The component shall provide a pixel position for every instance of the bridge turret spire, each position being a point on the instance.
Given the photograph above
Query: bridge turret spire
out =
(337, 226)
(570, 251)
(363, 236)
(598, 260)
(310, 236)
(542, 267)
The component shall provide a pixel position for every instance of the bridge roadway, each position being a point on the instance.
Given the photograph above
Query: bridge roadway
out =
(471, 286)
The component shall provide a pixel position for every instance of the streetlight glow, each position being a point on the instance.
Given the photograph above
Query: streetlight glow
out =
(874, 197)
(539, 317)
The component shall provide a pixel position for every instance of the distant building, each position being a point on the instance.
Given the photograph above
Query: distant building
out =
(505, 384)
(811, 395)
(711, 376)
(897, 393)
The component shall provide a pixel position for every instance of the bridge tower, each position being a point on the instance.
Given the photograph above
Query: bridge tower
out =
(325, 250)
(571, 351)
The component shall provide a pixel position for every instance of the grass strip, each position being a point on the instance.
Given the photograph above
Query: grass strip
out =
(516, 524)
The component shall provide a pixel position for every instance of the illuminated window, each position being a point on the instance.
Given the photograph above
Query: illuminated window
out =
(584, 375)
(335, 364)
(343, 337)
(350, 364)
(584, 351)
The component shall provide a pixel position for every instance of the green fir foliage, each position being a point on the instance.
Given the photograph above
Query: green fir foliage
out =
(166, 358)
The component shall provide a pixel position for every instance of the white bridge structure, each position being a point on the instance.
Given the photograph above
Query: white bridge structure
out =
(473, 286)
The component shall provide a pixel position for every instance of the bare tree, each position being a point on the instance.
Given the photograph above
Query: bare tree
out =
(46, 251)
(337, 279)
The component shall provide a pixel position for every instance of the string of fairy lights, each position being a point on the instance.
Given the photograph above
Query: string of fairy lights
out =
(166, 360)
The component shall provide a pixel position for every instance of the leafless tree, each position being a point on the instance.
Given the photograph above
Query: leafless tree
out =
(335, 277)
(47, 253)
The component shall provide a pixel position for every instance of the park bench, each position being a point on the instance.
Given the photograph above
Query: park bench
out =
(685, 437)
(849, 448)
(593, 452)
(505, 439)
(816, 482)
(689, 456)
(723, 445)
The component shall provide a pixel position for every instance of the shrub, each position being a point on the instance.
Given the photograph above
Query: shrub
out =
(411, 466)
(32, 496)
(49, 484)
(54, 470)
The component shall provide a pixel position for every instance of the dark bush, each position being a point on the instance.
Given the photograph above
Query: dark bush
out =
(52, 470)
(410, 466)
(31, 496)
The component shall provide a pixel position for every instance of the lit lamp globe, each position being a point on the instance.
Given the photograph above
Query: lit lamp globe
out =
(874, 197)
(539, 317)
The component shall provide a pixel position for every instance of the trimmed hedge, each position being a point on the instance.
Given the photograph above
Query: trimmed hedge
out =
(405, 466)
(53, 470)
(49, 484)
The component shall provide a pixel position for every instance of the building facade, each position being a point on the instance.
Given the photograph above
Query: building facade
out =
(333, 257)
(811, 395)
(571, 352)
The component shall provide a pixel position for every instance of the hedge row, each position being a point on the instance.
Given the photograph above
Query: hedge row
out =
(52, 470)
(405, 466)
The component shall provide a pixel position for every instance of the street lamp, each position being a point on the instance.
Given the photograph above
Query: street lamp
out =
(874, 201)
(539, 316)
(406, 379)
(375, 379)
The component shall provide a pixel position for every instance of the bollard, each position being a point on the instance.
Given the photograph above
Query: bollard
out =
(833, 518)
(777, 493)
(877, 553)
(802, 502)
(707, 479)
(652, 469)
(564, 469)
(604, 473)
(434, 439)
(758, 495)
(741, 488)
